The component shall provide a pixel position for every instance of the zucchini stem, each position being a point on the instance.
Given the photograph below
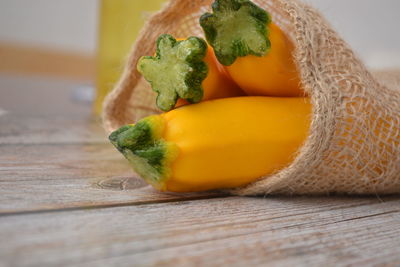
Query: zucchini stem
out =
(176, 71)
(236, 28)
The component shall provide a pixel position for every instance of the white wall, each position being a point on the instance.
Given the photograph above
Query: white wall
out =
(59, 24)
(370, 26)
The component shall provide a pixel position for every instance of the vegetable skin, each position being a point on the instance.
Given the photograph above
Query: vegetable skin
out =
(255, 52)
(274, 74)
(219, 144)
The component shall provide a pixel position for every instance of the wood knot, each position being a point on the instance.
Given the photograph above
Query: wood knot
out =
(121, 183)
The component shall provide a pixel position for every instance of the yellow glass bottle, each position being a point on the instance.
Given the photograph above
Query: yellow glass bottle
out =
(120, 23)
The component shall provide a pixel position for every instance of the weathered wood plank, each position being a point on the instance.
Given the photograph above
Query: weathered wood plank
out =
(57, 167)
(38, 111)
(24, 129)
(230, 231)
(34, 96)
(42, 177)
(54, 155)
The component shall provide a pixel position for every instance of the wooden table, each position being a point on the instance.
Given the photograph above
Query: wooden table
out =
(68, 198)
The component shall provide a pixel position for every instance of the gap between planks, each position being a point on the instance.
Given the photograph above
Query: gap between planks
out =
(83, 206)
(293, 230)
(185, 198)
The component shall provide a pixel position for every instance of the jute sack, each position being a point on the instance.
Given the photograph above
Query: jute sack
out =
(354, 142)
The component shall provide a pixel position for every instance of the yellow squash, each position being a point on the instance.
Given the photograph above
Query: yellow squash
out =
(256, 53)
(215, 144)
(185, 71)
(274, 74)
(217, 84)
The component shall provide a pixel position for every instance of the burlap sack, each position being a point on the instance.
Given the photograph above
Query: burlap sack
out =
(353, 146)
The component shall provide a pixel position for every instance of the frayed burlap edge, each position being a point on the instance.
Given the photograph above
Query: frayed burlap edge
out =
(353, 145)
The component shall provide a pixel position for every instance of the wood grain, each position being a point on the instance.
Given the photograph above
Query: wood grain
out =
(55, 176)
(35, 130)
(50, 97)
(67, 198)
(55, 156)
(232, 231)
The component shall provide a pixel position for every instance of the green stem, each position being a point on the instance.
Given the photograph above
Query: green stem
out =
(236, 28)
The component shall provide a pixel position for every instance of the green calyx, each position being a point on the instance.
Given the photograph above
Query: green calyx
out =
(143, 146)
(176, 71)
(236, 28)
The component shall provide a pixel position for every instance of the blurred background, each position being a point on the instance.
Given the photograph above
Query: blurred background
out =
(61, 38)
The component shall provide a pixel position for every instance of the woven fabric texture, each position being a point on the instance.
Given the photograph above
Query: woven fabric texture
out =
(354, 142)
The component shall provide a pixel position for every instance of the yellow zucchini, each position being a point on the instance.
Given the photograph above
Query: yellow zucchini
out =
(256, 53)
(215, 144)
